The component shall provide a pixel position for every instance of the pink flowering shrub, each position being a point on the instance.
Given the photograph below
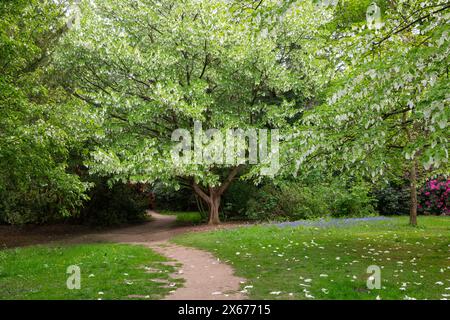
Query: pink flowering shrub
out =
(434, 196)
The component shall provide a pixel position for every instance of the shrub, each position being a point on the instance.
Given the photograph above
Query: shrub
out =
(42, 200)
(309, 200)
(393, 199)
(235, 200)
(303, 202)
(265, 205)
(434, 196)
(114, 205)
(352, 202)
(167, 198)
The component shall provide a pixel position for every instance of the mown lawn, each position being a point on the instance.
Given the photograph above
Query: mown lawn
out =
(108, 271)
(331, 262)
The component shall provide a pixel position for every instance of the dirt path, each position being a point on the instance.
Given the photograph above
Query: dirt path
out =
(206, 278)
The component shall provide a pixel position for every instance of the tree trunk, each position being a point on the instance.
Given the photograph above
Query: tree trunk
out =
(413, 195)
(412, 177)
(213, 196)
(214, 205)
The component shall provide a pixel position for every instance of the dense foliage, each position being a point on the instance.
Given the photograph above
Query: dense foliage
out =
(294, 201)
(45, 132)
(92, 91)
(157, 66)
(113, 205)
(435, 196)
(39, 123)
(387, 109)
(392, 198)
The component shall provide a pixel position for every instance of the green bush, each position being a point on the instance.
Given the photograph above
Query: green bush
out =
(265, 205)
(289, 201)
(235, 200)
(42, 199)
(114, 205)
(393, 199)
(304, 200)
(167, 198)
(354, 202)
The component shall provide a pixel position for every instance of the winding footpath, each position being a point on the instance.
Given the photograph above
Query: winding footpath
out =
(205, 277)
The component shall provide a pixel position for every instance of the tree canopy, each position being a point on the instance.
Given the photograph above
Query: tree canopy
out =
(156, 66)
(353, 88)
(40, 124)
(389, 108)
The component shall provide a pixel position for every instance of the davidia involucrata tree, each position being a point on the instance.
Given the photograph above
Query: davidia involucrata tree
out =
(387, 110)
(156, 66)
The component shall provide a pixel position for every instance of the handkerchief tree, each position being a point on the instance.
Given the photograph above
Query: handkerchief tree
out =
(152, 67)
(387, 112)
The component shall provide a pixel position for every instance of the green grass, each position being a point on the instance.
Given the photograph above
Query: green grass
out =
(108, 271)
(183, 217)
(331, 263)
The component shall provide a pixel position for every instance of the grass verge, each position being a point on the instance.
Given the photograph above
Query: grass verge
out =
(332, 262)
(108, 271)
(183, 217)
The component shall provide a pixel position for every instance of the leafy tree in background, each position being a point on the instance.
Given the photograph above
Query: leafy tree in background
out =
(39, 124)
(388, 107)
(156, 66)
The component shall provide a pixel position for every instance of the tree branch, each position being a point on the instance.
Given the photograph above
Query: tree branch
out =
(229, 179)
(198, 190)
(393, 32)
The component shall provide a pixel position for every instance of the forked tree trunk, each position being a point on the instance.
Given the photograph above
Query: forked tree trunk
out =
(413, 194)
(213, 196)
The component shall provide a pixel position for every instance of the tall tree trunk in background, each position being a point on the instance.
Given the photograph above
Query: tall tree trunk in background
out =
(412, 173)
(413, 194)
(213, 196)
